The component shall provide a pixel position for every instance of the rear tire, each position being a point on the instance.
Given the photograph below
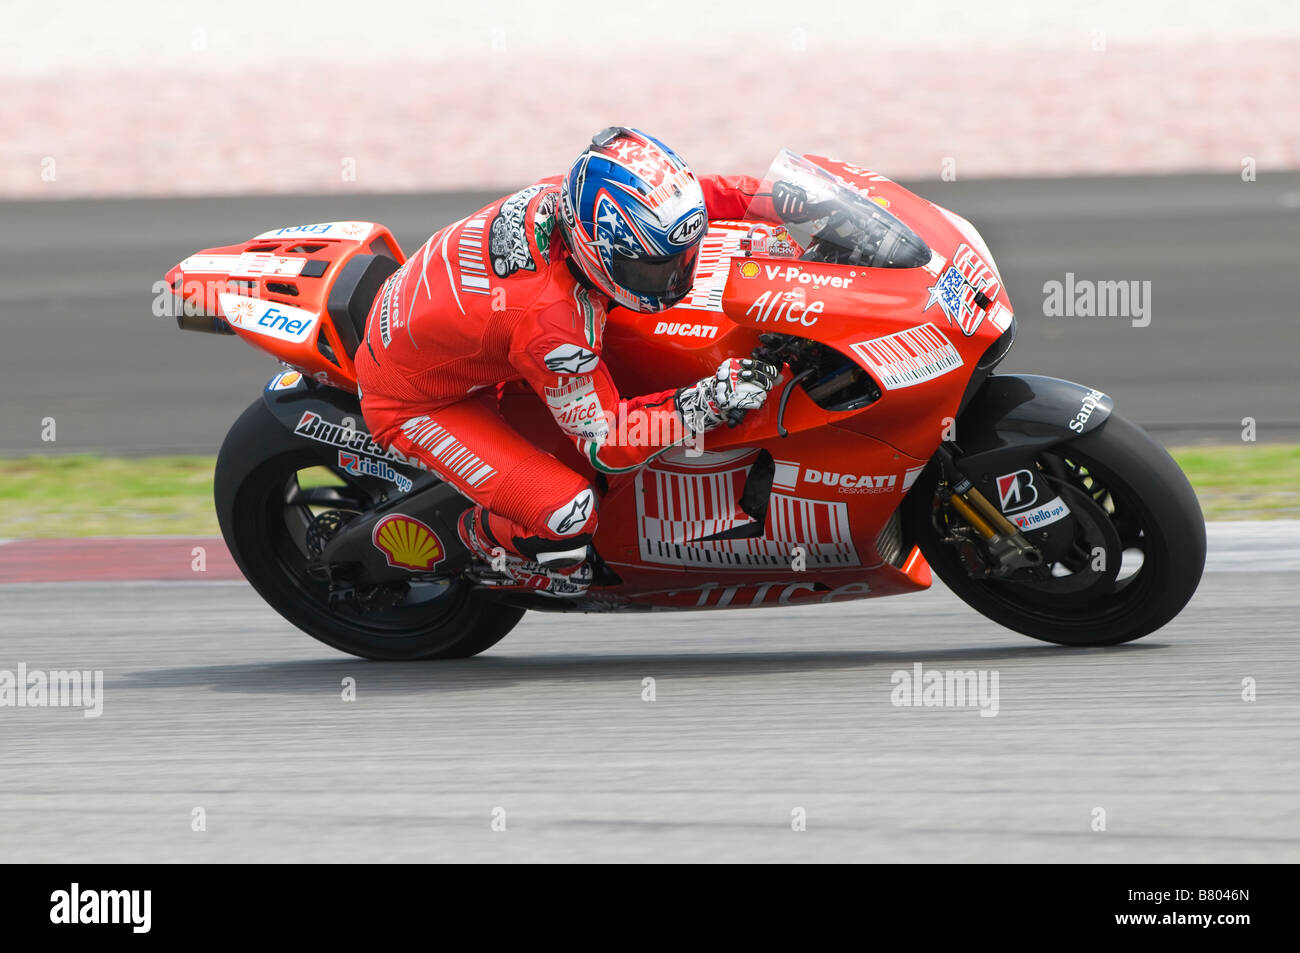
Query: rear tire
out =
(255, 486)
(1152, 509)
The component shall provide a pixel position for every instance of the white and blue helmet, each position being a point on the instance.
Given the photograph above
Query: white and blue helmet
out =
(632, 214)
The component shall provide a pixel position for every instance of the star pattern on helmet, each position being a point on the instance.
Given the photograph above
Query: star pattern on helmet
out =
(613, 235)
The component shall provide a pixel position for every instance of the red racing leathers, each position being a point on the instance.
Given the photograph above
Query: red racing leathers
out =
(491, 299)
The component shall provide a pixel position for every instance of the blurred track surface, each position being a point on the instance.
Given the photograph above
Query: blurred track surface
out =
(213, 702)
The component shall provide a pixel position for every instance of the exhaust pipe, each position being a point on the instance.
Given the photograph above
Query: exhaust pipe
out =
(206, 323)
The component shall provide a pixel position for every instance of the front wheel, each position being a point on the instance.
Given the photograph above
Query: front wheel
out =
(270, 491)
(1135, 561)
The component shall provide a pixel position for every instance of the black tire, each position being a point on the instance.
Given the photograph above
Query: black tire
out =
(1149, 504)
(256, 478)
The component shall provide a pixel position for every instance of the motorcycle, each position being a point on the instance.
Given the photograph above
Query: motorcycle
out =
(888, 448)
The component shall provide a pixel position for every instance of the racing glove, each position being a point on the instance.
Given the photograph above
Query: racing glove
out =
(790, 202)
(739, 385)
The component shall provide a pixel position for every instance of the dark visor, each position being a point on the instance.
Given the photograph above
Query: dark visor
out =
(667, 276)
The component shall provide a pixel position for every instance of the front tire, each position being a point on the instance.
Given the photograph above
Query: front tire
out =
(1129, 482)
(264, 513)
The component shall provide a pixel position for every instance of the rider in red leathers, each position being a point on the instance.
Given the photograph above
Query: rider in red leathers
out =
(519, 290)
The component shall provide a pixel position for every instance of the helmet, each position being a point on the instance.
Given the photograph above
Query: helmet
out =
(632, 214)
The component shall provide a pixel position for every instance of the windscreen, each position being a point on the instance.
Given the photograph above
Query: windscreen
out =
(831, 220)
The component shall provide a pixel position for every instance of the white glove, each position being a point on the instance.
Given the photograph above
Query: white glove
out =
(739, 385)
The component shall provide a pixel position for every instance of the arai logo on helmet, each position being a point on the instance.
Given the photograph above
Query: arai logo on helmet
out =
(684, 232)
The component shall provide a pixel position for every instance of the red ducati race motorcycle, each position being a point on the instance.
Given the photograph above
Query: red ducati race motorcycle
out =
(888, 448)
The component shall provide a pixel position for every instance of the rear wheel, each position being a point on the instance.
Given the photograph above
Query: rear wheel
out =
(1135, 560)
(273, 495)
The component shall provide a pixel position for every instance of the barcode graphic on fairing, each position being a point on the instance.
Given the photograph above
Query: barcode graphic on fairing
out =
(909, 357)
(453, 456)
(676, 510)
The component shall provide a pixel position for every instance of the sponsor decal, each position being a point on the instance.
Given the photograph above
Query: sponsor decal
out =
(910, 357)
(1016, 491)
(314, 427)
(572, 516)
(677, 329)
(675, 510)
(1051, 511)
(358, 465)
(454, 458)
(285, 380)
(685, 231)
(206, 264)
(350, 230)
(507, 238)
(750, 269)
(965, 290)
(797, 273)
(576, 407)
(788, 473)
(239, 310)
(390, 306)
(1001, 317)
(1089, 404)
(544, 223)
(782, 592)
(770, 242)
(852, 482)
(571, 359)
(858, 172)
(407, 543)
(280, 321)
(259, 264)
(773, 307)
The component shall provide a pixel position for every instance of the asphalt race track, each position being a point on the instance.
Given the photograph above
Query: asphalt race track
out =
(211, 701)
(80, 343)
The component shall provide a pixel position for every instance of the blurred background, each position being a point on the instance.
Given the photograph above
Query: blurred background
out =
(1110, 141)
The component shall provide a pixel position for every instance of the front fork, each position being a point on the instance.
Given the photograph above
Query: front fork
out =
(1005, 547)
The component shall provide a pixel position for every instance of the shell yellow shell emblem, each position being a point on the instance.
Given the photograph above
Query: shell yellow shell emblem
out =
(407, 543)
(749, 269)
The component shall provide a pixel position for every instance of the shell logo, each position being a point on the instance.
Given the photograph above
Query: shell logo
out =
(749, 269)
(407, 543)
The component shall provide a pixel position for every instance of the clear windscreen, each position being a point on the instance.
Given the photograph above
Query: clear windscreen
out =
(831, 220)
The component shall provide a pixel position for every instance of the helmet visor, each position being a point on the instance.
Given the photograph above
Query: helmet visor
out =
(665, 276)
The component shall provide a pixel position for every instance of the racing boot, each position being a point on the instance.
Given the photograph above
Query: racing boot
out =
(564, 574)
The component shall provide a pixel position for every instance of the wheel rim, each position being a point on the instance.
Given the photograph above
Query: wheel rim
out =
(1132, 572)
(287, 504)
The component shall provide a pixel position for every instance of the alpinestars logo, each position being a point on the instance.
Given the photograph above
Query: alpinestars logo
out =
(572, 516)
(571, 359)
(1016, 491)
